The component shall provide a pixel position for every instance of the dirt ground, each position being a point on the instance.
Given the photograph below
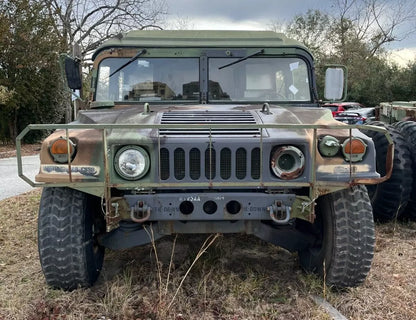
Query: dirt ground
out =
(238, 277)
(8, 151)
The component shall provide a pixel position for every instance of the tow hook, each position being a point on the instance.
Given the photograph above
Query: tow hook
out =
(140, 212)
(279, 213)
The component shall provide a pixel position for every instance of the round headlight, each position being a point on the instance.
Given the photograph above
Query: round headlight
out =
(329, 146)
(287, 162)
(131, 162)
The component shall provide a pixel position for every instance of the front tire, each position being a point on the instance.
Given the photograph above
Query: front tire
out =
(345, 238)
(68, 224)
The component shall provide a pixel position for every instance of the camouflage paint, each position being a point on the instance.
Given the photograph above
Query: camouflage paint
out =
(99, 132)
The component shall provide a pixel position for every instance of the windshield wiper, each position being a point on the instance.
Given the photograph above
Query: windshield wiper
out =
(242, 59)
(143, 51)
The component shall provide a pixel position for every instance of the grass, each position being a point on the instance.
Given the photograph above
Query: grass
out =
(233, 277)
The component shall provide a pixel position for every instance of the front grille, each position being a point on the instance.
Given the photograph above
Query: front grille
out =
(210, 164)
(205, 119)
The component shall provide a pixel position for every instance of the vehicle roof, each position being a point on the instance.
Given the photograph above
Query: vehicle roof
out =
(199, 38)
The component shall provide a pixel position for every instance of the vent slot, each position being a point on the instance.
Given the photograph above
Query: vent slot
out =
(205, 119)
(195, 164)
(179, 163)
(255, 163)
(225, 163)
(164, 164)
(241, 163)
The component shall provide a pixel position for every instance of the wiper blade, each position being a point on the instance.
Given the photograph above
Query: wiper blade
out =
(242, 59)
(143, 51)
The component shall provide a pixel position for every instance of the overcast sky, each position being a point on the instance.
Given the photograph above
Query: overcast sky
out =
(257, 15)
(240, 11)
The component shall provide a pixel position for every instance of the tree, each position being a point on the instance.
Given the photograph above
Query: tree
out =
(28, 67)
(88, 23)
(376, 22)
(82, 25)
(314, 30)
(355, 36)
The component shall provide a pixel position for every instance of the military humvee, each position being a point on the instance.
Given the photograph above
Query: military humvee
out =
(206, 132)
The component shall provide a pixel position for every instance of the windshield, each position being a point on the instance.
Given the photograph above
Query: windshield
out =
(258, 79)
(252, 79)
(150, 79)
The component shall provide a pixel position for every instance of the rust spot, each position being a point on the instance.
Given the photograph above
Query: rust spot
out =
(389, 170)
(323, 191)
(292, 175)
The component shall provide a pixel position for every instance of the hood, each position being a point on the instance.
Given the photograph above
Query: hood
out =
(209, 114)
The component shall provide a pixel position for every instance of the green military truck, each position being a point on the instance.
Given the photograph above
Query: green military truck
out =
(396, 198)
(191, 132)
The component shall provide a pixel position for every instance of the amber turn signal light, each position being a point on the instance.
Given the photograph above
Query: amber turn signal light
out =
(59, 150)
(354, 149)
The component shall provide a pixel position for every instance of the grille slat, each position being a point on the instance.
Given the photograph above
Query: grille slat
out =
(210, 163)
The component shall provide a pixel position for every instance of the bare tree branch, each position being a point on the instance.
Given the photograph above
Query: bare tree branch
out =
(88, 23)
(377, 22)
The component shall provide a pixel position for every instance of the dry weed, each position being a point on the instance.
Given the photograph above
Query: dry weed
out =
(235, 277)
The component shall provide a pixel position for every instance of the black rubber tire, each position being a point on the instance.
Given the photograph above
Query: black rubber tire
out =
(408, 131)
(344, 227)
(68, 223)
(389, 199)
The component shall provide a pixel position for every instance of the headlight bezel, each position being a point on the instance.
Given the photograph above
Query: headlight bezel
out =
(290, 153)
(142, 154)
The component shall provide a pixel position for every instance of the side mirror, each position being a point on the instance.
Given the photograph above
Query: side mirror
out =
(335, 83)
(73, 73)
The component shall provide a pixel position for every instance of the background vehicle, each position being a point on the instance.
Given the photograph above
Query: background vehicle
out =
(206, 132)
(356, 116)
(342, 106)
(396, 198)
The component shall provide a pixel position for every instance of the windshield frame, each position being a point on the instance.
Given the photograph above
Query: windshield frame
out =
(204, 54)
